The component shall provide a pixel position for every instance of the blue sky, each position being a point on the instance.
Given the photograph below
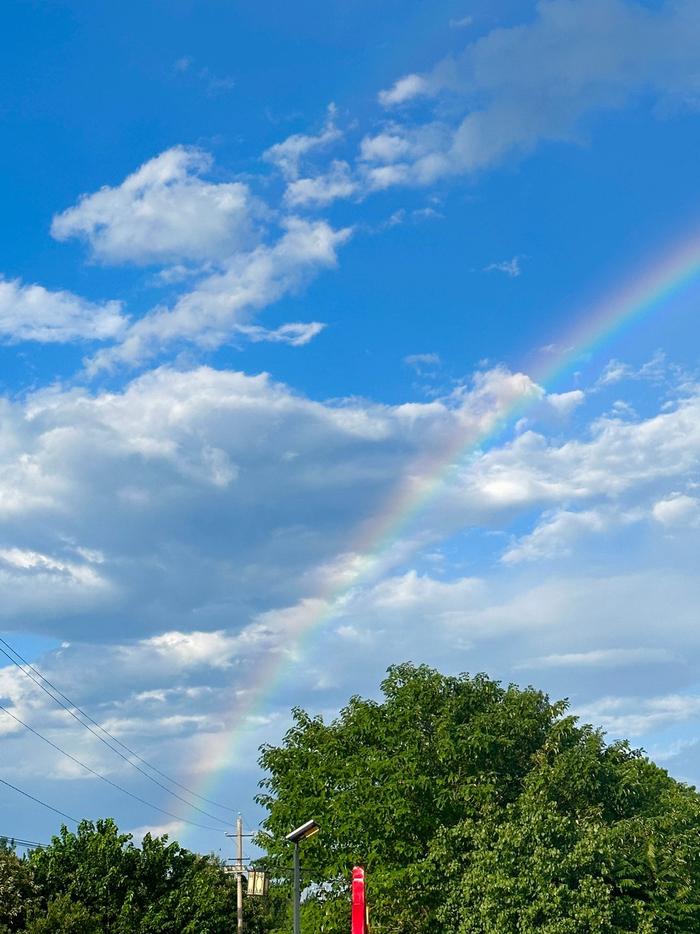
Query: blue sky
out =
(264, 266)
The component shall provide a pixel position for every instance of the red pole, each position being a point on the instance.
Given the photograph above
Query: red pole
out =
(358, 901)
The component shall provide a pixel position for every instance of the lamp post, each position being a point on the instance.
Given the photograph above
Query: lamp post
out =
(296, 836)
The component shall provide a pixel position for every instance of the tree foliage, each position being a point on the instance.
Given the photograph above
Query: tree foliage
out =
(481, 808)
(158, 887)
(18, 891)
(97, 880)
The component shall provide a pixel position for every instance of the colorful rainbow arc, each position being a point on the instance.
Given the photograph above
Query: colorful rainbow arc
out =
(644, 293)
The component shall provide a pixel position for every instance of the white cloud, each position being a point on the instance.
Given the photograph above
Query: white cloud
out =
(206, 233)
(33, 313)
(677, 509)
(618, 457)
(33, 562)
(219, 445)
(294, 333)
(676, 748)
(384, 147)
(637, 716)
(564, 403)
(171, 829)
(600, 658)
(289, 155)
(404, 154)
(163, 213)
(530, 83)
(32, 580)
(318, 190)
(510, 267)
(420, 360)
(193, 648)
(405, 89)
(555, 536)
(402, 216)
(222, 303)
(655, 370)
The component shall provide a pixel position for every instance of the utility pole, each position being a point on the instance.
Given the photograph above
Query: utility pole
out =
(239, 876)
(296, 836)
(297, 889)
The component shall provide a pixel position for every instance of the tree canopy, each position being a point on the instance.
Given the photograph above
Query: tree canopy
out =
(97, 880)
(481, 808)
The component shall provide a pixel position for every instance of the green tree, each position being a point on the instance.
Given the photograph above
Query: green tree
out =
(481, 808)
(159, 888)
(62, 915)
(270, 914)
(17, 889)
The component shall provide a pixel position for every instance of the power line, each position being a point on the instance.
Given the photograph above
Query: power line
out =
(107, 733)
(23, 844)
(39, 801)
(96, 734)
(99, 775)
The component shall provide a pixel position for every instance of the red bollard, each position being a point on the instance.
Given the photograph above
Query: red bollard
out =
(359, 912)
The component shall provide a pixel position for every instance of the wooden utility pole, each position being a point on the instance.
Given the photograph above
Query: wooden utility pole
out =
(239, 876)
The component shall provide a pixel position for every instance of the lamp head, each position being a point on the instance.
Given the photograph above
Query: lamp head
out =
(304, 832)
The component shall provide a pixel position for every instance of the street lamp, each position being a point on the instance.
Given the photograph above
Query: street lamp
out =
(296, 836)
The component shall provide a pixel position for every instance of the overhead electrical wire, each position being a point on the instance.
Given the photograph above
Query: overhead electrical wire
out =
(119, 742)
(99, 775)
(39, 801)
(94, 732)
(23, 844)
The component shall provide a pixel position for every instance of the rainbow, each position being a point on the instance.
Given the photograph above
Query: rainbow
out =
(375, 550)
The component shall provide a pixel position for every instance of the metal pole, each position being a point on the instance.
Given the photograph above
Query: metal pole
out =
(297, 889)
(239, 876)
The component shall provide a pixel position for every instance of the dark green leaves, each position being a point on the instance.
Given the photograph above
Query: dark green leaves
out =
(480, 808)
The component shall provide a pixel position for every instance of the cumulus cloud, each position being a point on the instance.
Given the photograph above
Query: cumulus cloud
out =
(384, 147)
(170, 828)
(222, 303)
(200, 438)
(33, 313)
(216, 443)
(637, 716)
(619, 456)
(191, 649)
(212, 521)
(212, 242)
(565, 402)
(404, 154)
(165, 212)
(405, 89)
(677, 509)
(555, 536)
(318, 190)
(605, 626)
(289, 155)
(654, 370)
(525, 84)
